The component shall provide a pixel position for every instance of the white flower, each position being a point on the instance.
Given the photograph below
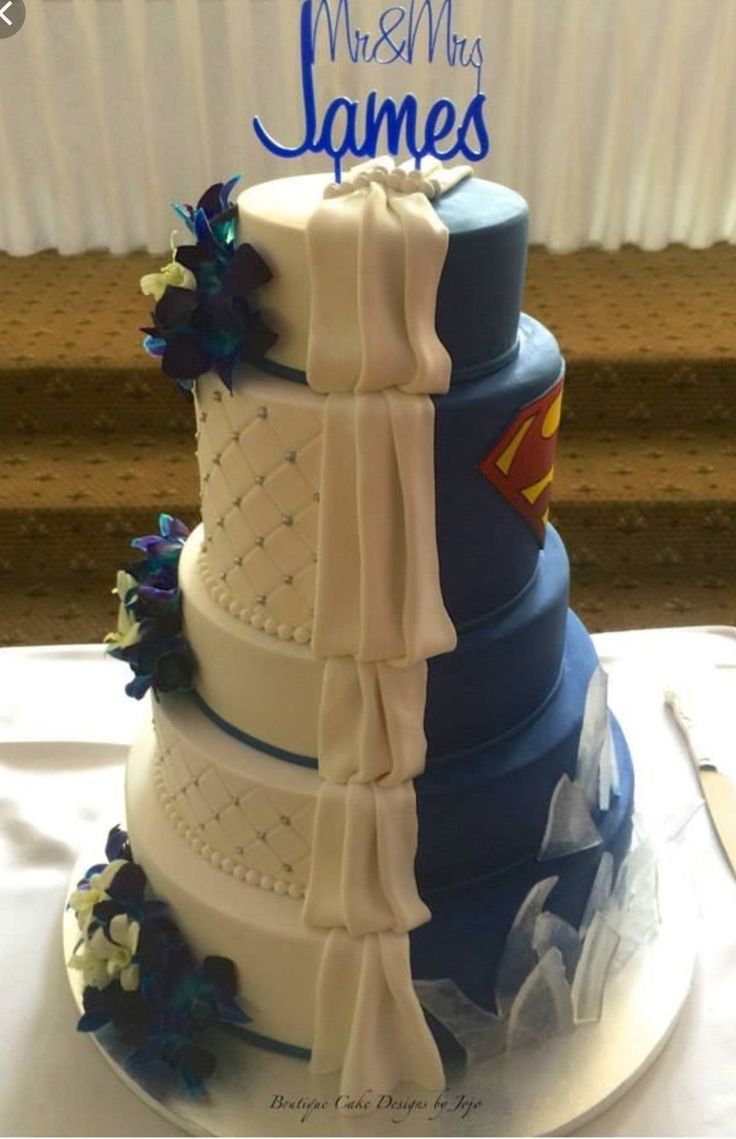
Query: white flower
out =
(155, 284)
(84, 901)
(93, 968)
(120, 950)
(128, 629)
(124, 582)
(104, 959)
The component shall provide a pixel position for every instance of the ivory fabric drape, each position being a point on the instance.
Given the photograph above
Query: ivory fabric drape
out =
(615, 118)
(376, 527)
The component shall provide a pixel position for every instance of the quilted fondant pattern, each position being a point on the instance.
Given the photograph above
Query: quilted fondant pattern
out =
(259, 834)
(259, 462)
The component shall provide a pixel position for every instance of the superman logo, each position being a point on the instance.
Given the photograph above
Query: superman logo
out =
(521, 465)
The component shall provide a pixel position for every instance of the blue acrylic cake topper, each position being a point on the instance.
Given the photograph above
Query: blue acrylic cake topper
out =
(396, 40)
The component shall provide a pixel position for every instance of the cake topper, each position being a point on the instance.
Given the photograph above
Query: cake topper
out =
(403, 34)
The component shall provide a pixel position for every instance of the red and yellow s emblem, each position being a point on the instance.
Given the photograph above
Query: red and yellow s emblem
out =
(522, 464)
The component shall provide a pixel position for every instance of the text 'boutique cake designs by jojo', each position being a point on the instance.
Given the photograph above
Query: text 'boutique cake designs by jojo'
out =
(381, 778)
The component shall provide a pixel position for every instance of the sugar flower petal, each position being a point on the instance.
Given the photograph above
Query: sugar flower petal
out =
(247, 271)
(260, 338)
(124, 584)
(92, 967)
(227, 189)
(117, 847)
(154, 345)
(185, 357)
(128, 631)
(173, 528)
(130, 978)
(124, 932)
(173, 670)
(192, 256)
(211, 201)
(176, 307)
(93, 889)
(175, 274)
(138, 686)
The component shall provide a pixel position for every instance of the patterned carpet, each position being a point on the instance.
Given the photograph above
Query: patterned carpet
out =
(95, 443)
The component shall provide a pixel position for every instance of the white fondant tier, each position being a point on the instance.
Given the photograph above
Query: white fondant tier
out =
(269, 687)
(276, 954)
(247, 815)
(273, 218)
(259, 454)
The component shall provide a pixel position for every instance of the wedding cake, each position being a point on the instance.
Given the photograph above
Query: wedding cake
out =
(381, 777)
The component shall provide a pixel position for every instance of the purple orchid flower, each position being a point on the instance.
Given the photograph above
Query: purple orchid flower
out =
(215, 326)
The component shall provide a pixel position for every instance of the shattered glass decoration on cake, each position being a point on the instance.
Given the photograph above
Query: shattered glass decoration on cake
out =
(552, 975)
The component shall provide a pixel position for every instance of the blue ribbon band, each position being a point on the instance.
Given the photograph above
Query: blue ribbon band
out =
(253, 741)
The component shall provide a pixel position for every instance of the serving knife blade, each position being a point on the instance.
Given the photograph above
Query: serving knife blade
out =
(717, 788)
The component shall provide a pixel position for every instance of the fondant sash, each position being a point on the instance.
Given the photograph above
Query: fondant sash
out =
(377, 592)
(369, 1022)
(376, 250)
(368, 727)
(375, 266)
(362, 871)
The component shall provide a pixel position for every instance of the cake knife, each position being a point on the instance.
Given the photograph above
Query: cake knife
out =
(718, 790)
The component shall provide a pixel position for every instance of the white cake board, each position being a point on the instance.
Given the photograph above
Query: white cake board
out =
(548, 1089)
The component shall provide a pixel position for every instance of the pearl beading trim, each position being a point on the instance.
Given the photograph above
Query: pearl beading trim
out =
(254, 615)
(249, 875)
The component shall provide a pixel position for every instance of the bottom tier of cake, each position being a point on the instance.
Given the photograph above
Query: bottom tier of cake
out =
(224, 831)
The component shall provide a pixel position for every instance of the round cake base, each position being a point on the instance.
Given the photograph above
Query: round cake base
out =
(548, 1089)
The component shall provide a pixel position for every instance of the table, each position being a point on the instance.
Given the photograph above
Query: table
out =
(65, 724)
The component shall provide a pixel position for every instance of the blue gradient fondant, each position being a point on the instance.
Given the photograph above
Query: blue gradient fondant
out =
(480, 292)
(471, 919)
(488, 551)
(497, 796)
(504, 669)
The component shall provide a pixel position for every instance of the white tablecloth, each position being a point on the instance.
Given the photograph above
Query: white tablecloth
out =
(64, 727)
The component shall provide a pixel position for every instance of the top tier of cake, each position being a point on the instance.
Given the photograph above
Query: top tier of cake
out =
(479, 298)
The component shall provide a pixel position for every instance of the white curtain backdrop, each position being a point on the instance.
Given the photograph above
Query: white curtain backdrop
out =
(615, 118)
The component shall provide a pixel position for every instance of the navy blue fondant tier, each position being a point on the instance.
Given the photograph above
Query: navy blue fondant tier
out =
(488, 809)
(487, 549)
(465, 939)
(479, 298)
(472, 918)
(503, 670)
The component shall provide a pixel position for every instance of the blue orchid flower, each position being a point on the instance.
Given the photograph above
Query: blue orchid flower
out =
(214, 326)
(144, 981)
(149, 637)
